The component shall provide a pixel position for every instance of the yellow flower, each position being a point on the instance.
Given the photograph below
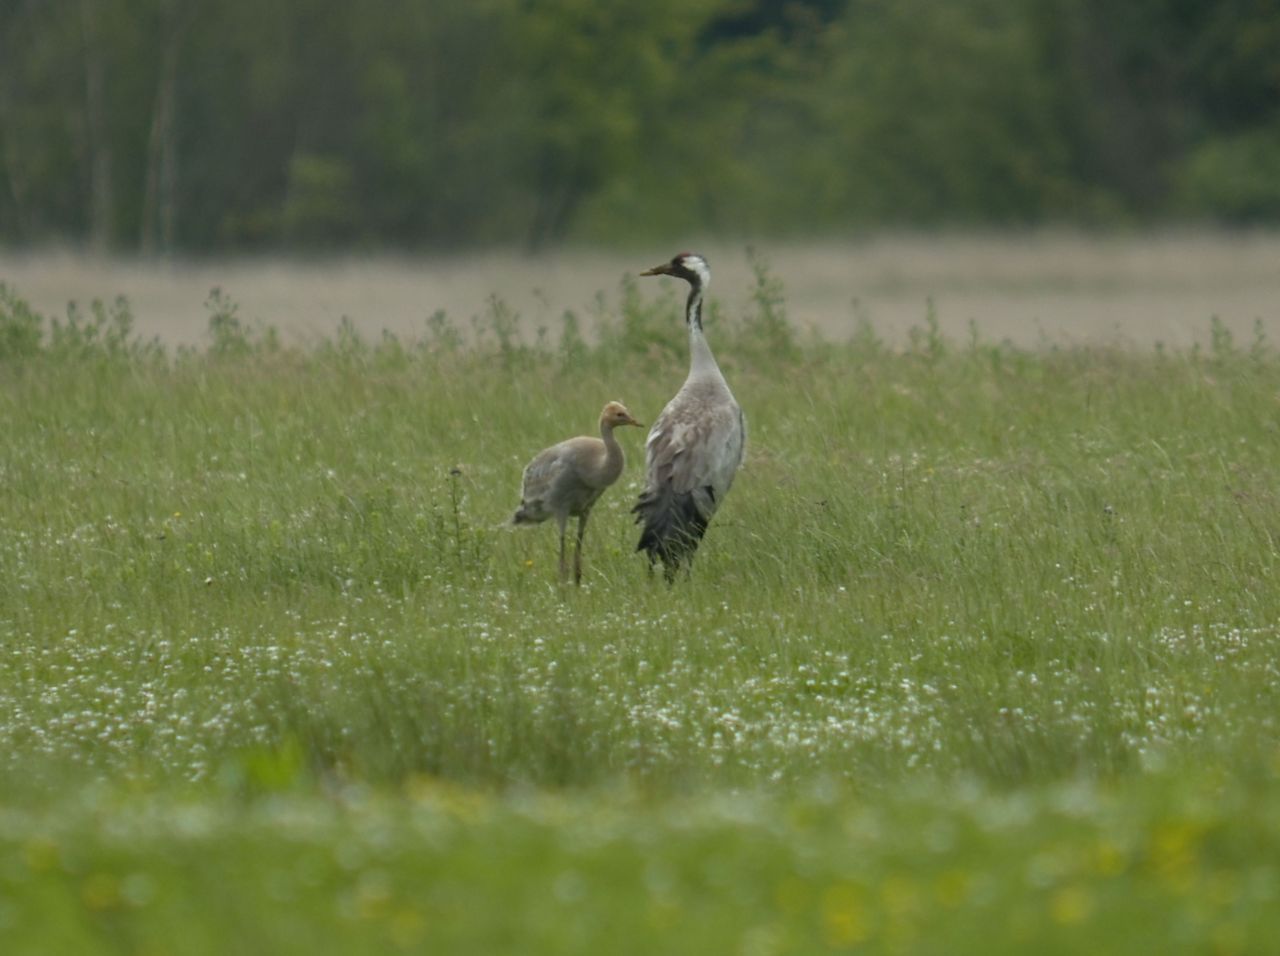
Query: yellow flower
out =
(407, 927)
(41, 854)
(845, 920)
(952, 888)
(899, 895)
(101, 891)
(1173, 854)
(1070, 905)
(1108, 859)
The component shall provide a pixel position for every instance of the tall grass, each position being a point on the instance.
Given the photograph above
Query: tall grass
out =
(995, 627)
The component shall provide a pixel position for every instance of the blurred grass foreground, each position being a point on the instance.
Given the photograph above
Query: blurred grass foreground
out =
(978, 657)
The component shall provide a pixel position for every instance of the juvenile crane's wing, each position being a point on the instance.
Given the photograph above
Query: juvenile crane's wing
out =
(561, 480)
(540, 479)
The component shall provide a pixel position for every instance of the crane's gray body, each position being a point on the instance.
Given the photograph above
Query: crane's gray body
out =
(695, 446)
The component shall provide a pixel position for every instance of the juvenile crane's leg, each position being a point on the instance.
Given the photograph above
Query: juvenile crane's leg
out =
(577, 551)
(561, 521)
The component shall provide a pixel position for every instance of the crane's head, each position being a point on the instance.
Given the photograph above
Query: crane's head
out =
(615, 413)
(689, 266)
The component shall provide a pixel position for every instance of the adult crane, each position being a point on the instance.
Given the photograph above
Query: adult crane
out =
(695, 445)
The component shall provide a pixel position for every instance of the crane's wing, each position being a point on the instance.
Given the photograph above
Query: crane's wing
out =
(538, 481)
(540, 474)
(562, 480)
(693, 452)
(696, 445)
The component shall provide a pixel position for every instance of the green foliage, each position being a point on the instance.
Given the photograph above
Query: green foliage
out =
(319, 208)
(311, 125)
(765, 330)
(105, 334)
(958, 125)
(231, 336)
(978, 655)
(20, 327)
(442, 334)
(107, 331)
(501, 322)
(1235, 179)
(641, 326)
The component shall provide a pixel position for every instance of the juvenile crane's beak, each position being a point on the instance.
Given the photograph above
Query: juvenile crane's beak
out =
(662, 270)
(632, 421)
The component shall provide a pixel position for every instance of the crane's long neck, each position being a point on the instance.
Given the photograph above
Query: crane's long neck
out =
(701, 361)
(693, 308)
(606, 432)
(611, 465)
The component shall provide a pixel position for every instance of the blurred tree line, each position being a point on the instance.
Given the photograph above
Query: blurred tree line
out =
(235, 124)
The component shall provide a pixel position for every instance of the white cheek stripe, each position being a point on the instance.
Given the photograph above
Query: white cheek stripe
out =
(698, 265)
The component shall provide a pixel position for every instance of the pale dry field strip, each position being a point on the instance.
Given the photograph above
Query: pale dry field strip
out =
(1045, 288)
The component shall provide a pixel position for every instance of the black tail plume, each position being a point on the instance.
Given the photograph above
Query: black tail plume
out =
(673, 525)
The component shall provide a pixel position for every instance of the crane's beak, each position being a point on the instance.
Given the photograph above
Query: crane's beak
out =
(662, 270)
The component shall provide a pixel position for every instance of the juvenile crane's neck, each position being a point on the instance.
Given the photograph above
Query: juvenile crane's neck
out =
(611, 447)
(610, 464)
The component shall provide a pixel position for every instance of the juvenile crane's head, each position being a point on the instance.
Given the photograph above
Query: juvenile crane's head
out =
(615, 414)
(689, 266)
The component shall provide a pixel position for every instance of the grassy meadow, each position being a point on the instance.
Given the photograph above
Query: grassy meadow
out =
(981, 655)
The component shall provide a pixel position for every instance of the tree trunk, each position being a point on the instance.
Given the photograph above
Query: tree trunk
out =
(160, 195)
(559, 196)
(15, 182)
(101, 198)
(14, 178)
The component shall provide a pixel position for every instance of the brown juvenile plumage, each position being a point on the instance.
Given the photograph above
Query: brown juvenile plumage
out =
(568, 478)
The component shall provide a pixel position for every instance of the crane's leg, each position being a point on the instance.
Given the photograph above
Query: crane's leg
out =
(577, 551)
(688, 568)
(561, 521)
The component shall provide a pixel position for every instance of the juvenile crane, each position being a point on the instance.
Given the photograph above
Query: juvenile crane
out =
(694, 447)
(568, 478)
